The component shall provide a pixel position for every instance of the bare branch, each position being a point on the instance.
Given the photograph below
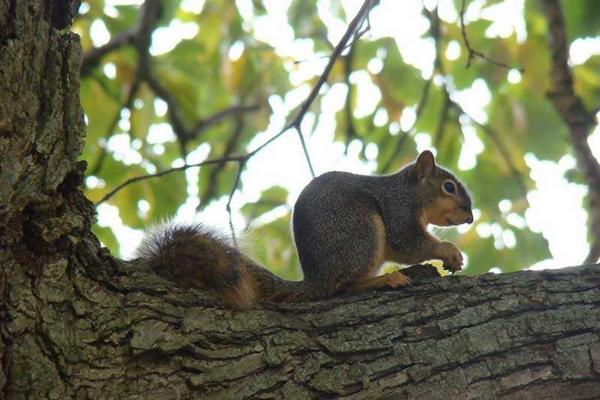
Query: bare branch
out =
(172, 110)
(574, 114)
(438, 66)
(138, 36)
(238, 159)
(351, 132)
(449, 103)
(475, 53)
(295, 123)
(305, 150)
(241, 165)
(337, 51)
(92, 58)
(204, 123)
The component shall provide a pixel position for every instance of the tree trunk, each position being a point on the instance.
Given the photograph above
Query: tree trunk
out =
(77, 323)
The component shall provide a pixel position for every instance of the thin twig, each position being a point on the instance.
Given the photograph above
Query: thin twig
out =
(305, 150)
(434, 29)
(294, 123)
(489, 131)
(337, 51)
(204, 123)
(339, 48)
(355, 39)
(238, 159)
(351, 132)
(233, 189)
(475, 53)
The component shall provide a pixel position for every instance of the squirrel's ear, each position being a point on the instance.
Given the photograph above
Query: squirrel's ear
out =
(424, 165)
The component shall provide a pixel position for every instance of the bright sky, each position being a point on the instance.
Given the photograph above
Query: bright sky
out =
(565, 230)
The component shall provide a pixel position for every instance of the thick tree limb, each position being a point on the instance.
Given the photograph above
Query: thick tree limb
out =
(521, 335)
(574, 114)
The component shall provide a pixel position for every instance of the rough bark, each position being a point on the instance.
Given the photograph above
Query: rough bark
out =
(77, 323)
(132, 335)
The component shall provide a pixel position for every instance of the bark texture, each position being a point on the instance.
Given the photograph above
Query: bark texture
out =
(77, 323)
(133, 335)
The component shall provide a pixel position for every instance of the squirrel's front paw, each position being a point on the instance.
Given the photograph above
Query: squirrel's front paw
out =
(451, 256)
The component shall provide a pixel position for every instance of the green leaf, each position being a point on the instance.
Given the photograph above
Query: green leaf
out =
(581, 18)
(401, 84)
(269, 199)
(271, 244)
(107, 238)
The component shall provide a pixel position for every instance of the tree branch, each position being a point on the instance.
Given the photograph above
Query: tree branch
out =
(449, 103)
(438, 66)
(204, 123)
(92, 58)
(574, 114)
(175, 117)
(139, 36)
(521, 335)
(352, 31)
(475, 53)
(241, 165)
(238, 159)
(351, 132)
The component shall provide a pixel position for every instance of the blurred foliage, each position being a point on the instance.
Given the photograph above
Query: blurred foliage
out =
(204, 78)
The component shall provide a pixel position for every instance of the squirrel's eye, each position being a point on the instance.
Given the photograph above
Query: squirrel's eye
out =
(449, 187)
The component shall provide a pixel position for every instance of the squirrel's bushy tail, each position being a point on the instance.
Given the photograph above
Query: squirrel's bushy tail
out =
(194, 255)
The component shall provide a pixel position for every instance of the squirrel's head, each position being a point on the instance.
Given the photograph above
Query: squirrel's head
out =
(445, 199)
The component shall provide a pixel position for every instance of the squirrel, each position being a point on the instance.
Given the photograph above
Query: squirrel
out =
(345, 227)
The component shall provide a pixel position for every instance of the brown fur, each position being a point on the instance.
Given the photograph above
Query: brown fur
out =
(370, 280)
(243, 295)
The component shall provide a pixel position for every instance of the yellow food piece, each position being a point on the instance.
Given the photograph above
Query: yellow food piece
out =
(388, 268)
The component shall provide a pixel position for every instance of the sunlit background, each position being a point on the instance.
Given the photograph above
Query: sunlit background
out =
(556, 205)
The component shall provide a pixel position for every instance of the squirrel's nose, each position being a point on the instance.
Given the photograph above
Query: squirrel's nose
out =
(470, 218)
(467, 210)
